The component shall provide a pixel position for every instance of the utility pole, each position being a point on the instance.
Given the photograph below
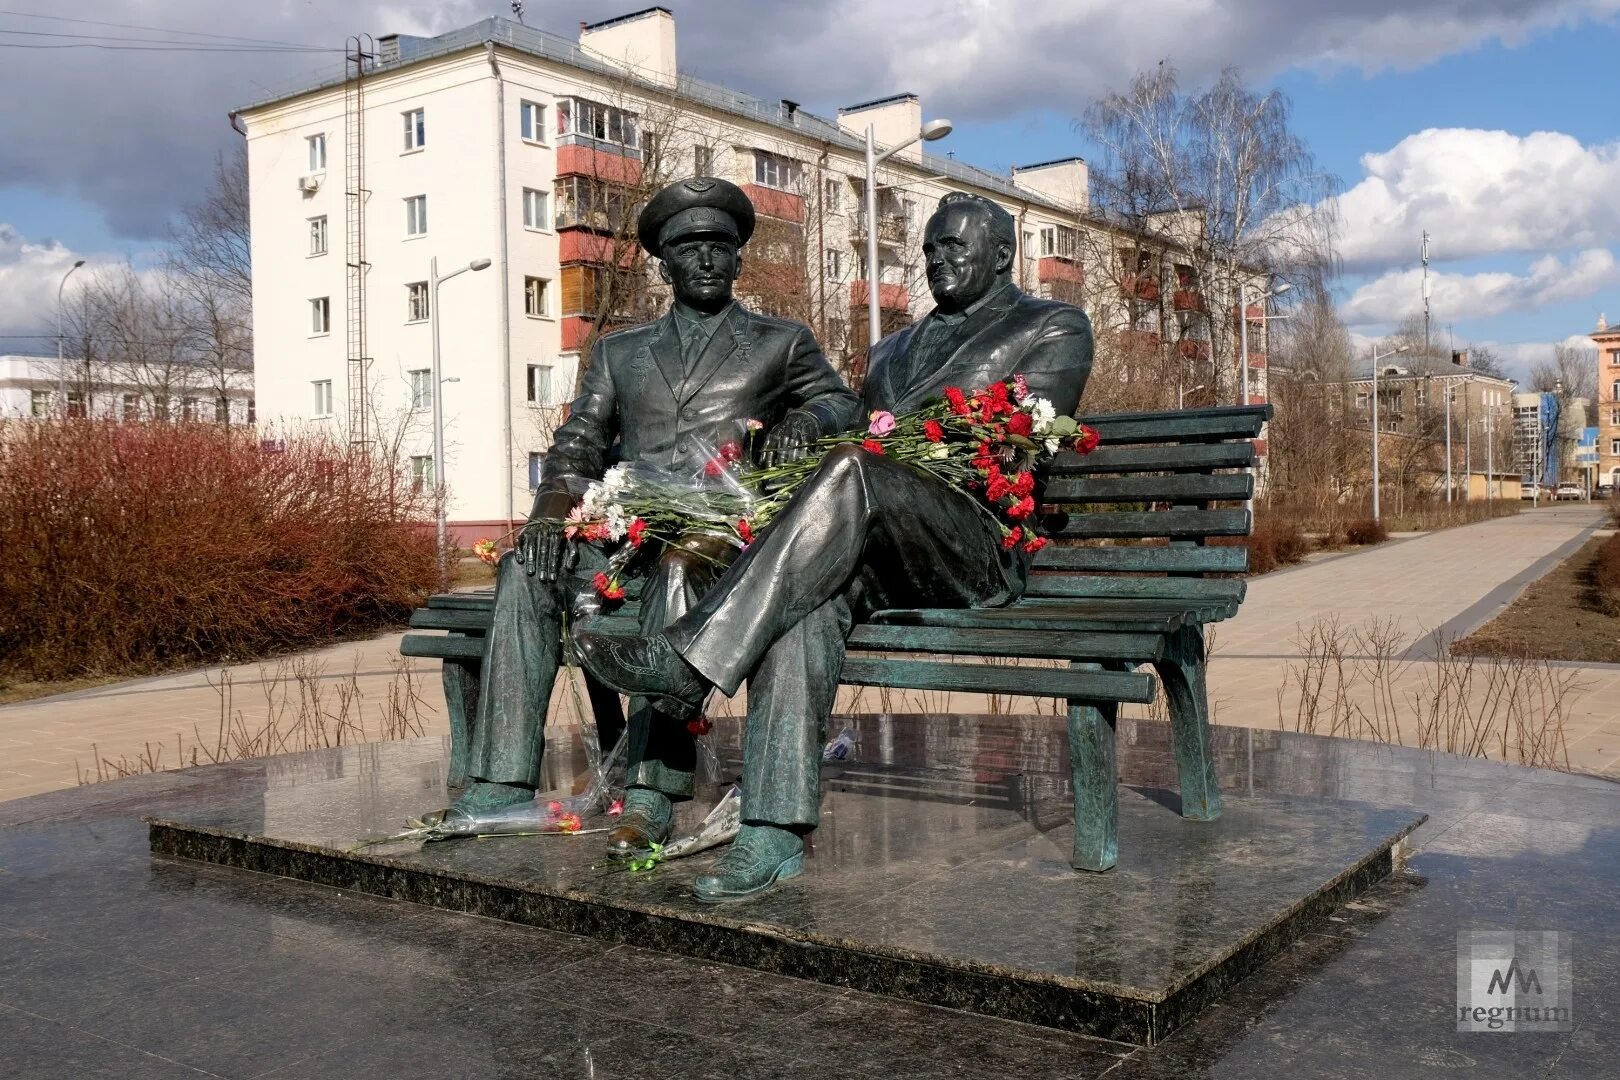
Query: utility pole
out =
(1449, 484)
(1425, 292)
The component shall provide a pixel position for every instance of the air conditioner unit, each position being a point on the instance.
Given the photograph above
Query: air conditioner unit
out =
(309, 184)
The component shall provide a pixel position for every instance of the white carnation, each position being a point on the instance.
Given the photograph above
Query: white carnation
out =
(939, 452)
(616, 521)
(1042, 413)
(1053, 443)
(595, 501)
(616, 479)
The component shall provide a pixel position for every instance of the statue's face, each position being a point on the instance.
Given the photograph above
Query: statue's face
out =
(964, 261)
(700, 268)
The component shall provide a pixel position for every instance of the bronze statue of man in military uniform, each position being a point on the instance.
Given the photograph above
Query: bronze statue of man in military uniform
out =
(699, 373)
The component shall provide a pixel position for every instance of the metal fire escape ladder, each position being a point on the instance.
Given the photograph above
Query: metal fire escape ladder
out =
(360, 51)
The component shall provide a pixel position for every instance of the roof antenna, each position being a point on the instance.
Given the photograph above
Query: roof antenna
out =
(517, 11)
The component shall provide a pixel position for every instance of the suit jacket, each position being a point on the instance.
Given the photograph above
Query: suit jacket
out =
(637, 392)
(1046, 341)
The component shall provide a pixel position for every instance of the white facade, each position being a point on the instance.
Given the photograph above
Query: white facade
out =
(444, 118)
(37, 387)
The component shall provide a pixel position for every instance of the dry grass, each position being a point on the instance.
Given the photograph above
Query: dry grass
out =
(301, 709)
(1563, 616)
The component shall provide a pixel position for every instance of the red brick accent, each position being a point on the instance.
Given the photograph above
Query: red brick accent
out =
(890, 297)
(580, 245)
(1260, 447)
(575, 330)
(776, 204)
(1052, 268)
(599, 164)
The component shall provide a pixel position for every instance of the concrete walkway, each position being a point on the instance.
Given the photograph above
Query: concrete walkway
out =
(1451, 580)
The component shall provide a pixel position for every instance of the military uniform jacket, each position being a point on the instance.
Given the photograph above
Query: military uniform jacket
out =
(638, 393)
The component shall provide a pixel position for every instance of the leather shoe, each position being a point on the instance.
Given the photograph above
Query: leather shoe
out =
(645, 667)
(645, 821)
(761, 856)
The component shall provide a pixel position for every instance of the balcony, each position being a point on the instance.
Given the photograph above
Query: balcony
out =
(1190, 300)
(1057, 268)
(1192, 349)
(1136, 341)
(775, 203)
(890, 297)
(577, 246)
(891, 229)
(598, 164)
(1139, 287)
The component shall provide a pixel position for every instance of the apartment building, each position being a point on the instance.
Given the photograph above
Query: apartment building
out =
(499, 141)
(37, 387)
(1607, 420)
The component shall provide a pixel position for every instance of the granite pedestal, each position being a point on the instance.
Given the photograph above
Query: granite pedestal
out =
(939, 873)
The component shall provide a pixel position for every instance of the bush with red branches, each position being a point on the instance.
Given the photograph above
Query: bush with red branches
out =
(131, 547)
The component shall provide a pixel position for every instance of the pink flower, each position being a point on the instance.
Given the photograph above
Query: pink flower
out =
(485, 550)
(1020, 387)
(617, 808)
(755, 425)
(713, 467)
(882, 423)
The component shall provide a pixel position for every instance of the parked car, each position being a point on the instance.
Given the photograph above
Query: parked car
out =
(1573, 492)
(1527, 492)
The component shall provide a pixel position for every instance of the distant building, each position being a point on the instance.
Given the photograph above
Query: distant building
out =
(1547, 433)
(1607, 420)
(37, 387)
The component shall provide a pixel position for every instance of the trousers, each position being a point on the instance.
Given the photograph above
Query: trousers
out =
(524, 650)
(864, 533)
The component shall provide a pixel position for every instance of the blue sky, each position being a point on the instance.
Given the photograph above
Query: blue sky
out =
(1425, 111)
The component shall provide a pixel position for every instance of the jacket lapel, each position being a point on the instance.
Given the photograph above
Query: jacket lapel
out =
(957, 344)
(729, 337)
(666, 350)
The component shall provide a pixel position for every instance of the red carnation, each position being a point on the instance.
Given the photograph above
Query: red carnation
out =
(933, 431)
(745, 530)
(1023, 484)
(999, 487)
(996, 392)
(701, 726)
(957, 401)
(713, 467)
(1020, 423)
(607, 588)
(731, 452)
(1021, 509)
(872, 446)
(637, 533)
(1010, 541)
(1086, 441)
(1034, 544)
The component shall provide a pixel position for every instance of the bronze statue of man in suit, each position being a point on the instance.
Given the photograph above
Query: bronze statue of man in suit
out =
(701, 372)
(865, 532)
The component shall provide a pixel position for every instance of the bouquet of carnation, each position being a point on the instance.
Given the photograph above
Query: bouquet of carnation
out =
(989, 442)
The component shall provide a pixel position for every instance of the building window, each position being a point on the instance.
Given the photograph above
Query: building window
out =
(317, 153)
(188, 410)
(702, 161)
(416, 215)
(593, 204)
(421, 388)
(415, 129)
(536, 297)
(539, 384)
(39, 403)
(832, 194)
(583, 118)
(536, 459)
(1062, 241)
(160, 408)
(535, 209)
(532, 121)
(252, 410)
(1615, 393)
(323, 397)
(75, 404)
(317, 235)
(776, 171)
(421, 471)
(835, 265)
(1363, 399)
(1614, 417)
(320, 315)
(1614, 447)
(416, 301)
(132, 408)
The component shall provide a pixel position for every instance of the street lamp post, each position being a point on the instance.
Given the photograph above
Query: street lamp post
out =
(933, 129)
(61, 377)
(1377, 357)
(434, 281)
(1449, 483)
(1243, 329)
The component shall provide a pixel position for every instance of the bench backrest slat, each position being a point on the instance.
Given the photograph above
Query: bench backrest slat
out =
(1147, 560)
(1178, 459)
(1082, 586)
(1177, 522)
(1182, 487)
(1186, 426)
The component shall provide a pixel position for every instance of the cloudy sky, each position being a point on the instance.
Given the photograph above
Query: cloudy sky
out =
(1490, 123)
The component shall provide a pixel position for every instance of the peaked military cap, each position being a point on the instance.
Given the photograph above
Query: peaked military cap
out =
(701, 204)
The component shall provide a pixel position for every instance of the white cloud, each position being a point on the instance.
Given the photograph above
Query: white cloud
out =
(1548, 280)
(1480, 193)
(29, 275)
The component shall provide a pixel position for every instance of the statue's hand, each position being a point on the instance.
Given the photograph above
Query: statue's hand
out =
(790, 440)
(542, 547)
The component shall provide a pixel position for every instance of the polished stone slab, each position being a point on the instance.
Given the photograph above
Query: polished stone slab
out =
(939, 873)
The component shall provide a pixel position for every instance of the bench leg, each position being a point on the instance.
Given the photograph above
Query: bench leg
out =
(1096, 789)
(1181, 672)
(460, 679)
